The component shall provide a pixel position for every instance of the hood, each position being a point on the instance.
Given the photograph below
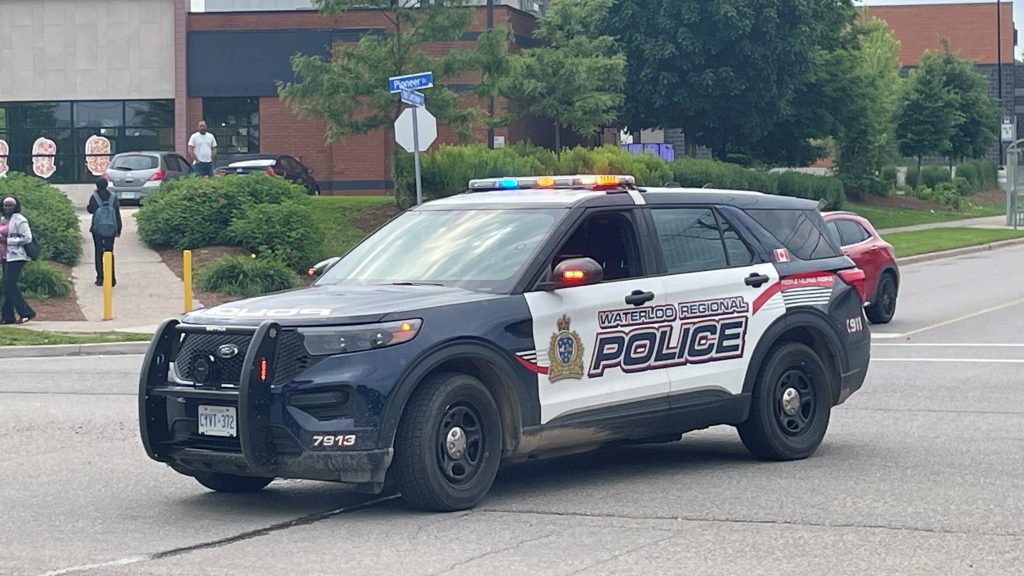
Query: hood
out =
(324, 305)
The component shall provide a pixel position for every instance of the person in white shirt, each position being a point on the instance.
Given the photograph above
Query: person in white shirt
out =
(202, 149)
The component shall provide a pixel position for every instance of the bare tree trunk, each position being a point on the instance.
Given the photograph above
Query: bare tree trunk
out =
(917, 183)
(558, 140)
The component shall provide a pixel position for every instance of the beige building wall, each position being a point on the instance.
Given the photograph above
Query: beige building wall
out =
(86, 49)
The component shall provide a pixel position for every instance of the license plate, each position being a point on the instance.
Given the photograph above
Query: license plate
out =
(218, 421)
(128, 195)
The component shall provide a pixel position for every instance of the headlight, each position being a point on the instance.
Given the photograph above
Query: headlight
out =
(345, 339)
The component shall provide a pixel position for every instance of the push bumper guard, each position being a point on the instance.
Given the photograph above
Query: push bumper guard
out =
(253, 398)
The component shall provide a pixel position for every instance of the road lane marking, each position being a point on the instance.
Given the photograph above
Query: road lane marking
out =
(964, 317)
(955, 345)
(883, 336)
(86, 567)
(954, 360)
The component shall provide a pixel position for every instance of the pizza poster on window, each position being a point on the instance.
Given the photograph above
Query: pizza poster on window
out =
(4, 151)
(97, 155)
(44, 157)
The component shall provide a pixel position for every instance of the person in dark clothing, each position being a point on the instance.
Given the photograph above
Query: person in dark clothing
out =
(106, 225)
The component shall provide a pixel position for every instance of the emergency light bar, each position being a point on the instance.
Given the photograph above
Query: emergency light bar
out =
(579, 181)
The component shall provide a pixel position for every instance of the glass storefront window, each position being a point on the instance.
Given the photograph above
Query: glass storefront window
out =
(236, 124)
(129, 125)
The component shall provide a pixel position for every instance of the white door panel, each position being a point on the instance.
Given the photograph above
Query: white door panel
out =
(580, 334)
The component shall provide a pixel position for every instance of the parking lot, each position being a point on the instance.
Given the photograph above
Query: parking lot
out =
(921, 473)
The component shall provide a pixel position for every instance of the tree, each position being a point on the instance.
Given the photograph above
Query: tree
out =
(979, 113)
(576, 77)
(871, 86)
(350, 90)
(927, 112)
(735, 75)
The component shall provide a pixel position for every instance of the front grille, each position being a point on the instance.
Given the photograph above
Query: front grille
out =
(291, 359)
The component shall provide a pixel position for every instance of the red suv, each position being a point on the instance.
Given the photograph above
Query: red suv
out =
(873, 255)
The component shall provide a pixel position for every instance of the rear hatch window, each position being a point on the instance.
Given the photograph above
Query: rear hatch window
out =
(134, 163)
(802, 232)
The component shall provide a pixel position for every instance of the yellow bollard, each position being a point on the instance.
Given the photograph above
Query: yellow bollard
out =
(187, 273)
(108, 287)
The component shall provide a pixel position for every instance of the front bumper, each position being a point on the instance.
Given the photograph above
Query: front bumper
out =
(265, 444)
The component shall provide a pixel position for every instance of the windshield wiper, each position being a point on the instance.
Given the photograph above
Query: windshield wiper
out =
(413, 284)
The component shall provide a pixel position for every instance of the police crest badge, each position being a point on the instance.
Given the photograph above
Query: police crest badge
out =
(565, 353)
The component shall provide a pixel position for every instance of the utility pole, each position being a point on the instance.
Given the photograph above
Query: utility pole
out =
(999, 68)
(490, 100)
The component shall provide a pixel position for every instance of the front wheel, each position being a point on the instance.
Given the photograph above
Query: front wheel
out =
(790, 406)
(883, 308)
(448, 446)
(231, 483)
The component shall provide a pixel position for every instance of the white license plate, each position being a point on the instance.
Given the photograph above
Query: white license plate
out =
(128, 195)
(218, 421)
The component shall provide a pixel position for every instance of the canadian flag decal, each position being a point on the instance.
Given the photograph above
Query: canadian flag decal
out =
(781, 255)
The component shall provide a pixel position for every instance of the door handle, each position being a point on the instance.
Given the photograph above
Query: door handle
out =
(756, 280)
(639, 297)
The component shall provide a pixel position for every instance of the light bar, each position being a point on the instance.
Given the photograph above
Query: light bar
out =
(579, 181)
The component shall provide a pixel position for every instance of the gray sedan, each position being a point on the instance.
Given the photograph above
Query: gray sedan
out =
(133, 175)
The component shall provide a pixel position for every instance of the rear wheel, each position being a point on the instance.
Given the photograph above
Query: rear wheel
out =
(883, 308)
(448, 446)
(231, 483)
(790, 406)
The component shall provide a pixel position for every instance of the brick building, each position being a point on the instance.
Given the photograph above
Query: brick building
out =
(972, 29)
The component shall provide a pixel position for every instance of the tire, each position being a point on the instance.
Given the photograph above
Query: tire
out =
(231, 483)
(883, 308)
(315, 190)
(432, 473)
(772, 432)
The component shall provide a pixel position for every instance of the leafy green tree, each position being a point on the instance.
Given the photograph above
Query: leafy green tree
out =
(576, 76)
(870, 84)
(350, 90)
(735, 75)
(927, 114)
(978, 113)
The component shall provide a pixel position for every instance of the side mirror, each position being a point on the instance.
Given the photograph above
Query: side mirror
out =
(574, 272)
(322, 267)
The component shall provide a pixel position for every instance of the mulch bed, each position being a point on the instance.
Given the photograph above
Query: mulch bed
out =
(202, 257)
(988, 197)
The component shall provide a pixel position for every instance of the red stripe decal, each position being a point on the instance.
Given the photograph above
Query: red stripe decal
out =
(535, 368)
(766, 296)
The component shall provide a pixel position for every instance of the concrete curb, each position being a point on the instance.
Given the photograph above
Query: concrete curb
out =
(959, 252)
(62, 350)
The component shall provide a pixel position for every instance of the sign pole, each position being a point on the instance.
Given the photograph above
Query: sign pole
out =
(416, 155)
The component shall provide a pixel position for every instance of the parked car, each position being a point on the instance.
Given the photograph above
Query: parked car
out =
(133, 175)
(876, 257)
(275, 164)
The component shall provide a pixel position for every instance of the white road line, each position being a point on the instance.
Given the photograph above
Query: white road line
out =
(85, 567)
(882, 336)
(954, 345)
(954, 360)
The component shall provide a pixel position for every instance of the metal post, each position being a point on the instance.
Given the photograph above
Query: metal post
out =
(416, 154)
(490, 102)
(999, 63)
(108, 279)
(187, 277)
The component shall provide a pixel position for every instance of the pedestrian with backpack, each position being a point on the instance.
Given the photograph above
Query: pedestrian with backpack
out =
(106, 225)
(16, 243)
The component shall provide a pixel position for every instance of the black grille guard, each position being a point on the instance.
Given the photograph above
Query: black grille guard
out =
(254, 425)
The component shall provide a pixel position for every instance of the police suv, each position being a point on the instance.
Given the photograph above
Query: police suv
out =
(525, 317)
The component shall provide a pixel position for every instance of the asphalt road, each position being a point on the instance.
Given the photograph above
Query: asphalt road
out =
(921, 473)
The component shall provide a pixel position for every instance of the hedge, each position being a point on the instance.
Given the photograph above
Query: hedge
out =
(981, 175)
(289, 232)
(448, 169)
(246, 276)
(50, 213)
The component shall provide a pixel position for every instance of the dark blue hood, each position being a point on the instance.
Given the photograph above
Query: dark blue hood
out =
(319, 305)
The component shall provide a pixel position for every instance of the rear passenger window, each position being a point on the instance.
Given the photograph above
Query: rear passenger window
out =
(851, 232)
(736, 249)
(691, 240)
(802, 232)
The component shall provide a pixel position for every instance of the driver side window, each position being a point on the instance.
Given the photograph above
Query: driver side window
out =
(608, 238)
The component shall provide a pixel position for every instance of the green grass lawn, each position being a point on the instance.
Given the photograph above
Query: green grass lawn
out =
(882, 218)
(334, 214)
(939, 239)
(15, 336)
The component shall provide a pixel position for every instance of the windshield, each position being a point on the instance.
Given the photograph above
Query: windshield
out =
(482, 250)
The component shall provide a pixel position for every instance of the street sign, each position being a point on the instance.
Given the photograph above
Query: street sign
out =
(411, 82)
(404, 129)
(413, 98)
(1009, 129)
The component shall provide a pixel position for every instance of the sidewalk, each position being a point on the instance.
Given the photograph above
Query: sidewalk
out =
(146, 294)
(985, 222)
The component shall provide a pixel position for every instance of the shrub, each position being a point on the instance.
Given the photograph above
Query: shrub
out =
(963, 187)
(889, 176)
(289, 232)
(811, 187)
(946, 194)
(695, 173)
(245, 277)
(195, 212)
(50, 213)
(42, 280)
(981, 174)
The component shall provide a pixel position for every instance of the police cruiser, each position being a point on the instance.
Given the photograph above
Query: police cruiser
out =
(523, 318)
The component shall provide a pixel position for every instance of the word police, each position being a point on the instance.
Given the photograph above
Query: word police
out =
(708, 331)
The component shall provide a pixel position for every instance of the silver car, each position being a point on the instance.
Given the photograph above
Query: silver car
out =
(133, 175)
